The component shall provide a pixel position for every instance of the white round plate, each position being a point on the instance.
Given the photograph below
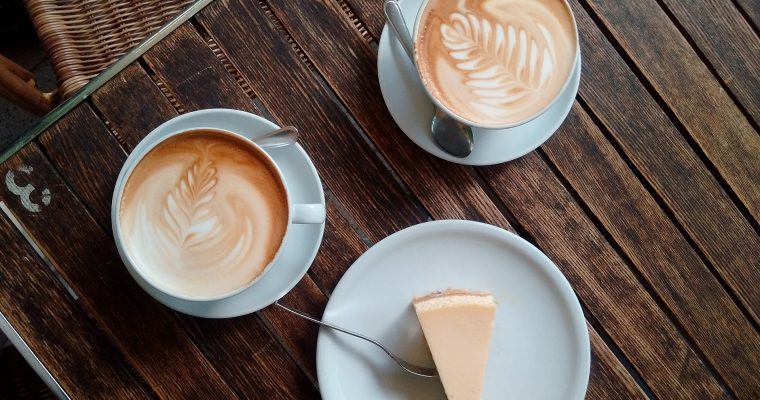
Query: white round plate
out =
(301, 242)
(412, 110)
(540, 347)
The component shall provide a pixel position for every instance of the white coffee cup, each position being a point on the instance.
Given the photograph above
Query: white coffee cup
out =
(415, 36)
(297, 214)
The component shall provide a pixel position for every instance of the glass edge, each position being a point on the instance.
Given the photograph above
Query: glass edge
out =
(62, 109)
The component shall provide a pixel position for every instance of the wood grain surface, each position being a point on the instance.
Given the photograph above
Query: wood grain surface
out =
(662, 255)
(663, 158)
(604, 279)
(751, 9)
(647, 199)
(690, 91)
(728, 42)
(55, 328)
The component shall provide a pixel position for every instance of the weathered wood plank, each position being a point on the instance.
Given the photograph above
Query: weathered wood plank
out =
(657, 149)
(369, 12)
(59, 333)
(99, 178)
(298, 335)
(288, 89)
(608, 287)
(196, 77)
(609, 379)
(340, 248)
(687, 86)
(752, 9)
(145, 332)
(616, 197)
(86, 175)
(728, 42)
(253, 359)
(131, 105)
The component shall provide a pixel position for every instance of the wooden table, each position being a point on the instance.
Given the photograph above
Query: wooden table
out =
(647, 198)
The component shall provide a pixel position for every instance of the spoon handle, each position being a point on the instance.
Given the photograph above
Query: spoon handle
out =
(414, 369)
(397, 23)
(329, 325)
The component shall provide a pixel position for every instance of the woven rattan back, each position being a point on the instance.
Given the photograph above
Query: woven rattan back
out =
(83, 37)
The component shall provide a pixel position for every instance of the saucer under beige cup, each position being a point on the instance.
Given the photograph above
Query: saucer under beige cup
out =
(202, 214)
(495, 64)
(412, 106)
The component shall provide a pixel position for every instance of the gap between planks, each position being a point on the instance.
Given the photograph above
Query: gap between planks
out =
(746, 17)
(671, 115)
(700, 54)
(744, 308)
(641, 280)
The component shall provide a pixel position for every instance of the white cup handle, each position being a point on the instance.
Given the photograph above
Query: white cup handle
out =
(309, 213)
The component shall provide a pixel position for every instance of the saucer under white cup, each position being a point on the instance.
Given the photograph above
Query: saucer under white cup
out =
(413, 111)
(540, 347)
(302, 241)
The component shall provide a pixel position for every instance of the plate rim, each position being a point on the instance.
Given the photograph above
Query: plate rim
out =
(553, 272)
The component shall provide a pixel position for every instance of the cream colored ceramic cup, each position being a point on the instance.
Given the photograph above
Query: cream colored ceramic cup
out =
(296, 214)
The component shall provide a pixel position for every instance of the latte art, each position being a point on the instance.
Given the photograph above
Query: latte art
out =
(203, 214)
(496, 62)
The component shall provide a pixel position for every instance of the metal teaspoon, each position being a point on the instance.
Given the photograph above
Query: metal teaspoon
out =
(449, 134)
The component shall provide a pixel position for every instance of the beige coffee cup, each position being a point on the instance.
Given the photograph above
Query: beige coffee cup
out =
(224, 206)
(495, 64)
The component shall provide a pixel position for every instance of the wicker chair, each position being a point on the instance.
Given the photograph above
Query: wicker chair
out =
(82, 38)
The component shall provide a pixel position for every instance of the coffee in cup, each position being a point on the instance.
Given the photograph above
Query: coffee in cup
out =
(203, 214)
(495, 63)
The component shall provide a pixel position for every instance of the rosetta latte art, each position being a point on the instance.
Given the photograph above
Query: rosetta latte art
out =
(191, 233)
(496, 62)
(504, 64)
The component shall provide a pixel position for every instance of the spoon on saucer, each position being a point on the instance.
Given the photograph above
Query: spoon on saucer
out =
(282, 137)
(415, 369)
(449, 134)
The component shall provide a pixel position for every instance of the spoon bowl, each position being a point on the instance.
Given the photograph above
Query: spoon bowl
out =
(282, 137)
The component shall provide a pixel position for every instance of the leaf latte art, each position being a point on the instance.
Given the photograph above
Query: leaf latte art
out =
(203, 214)
(496, 62)
(191, 229)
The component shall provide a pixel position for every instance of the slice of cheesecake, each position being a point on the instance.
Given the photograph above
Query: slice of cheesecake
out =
(458, 325)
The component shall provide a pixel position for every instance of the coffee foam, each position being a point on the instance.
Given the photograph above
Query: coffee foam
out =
(203, 214)
(496, 62)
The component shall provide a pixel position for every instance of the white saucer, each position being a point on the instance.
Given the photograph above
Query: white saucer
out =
(302, 241)
(540, 348)
(412, 110)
